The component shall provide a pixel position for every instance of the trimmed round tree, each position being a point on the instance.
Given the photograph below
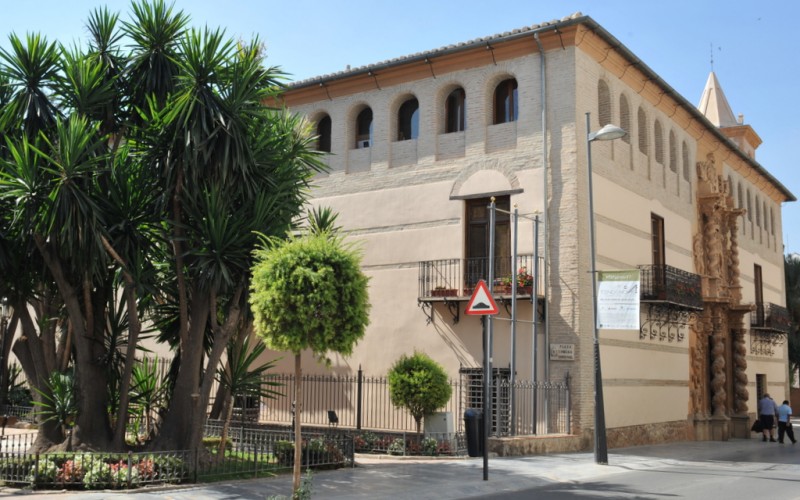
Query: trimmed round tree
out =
(419, 384)
(308, 293)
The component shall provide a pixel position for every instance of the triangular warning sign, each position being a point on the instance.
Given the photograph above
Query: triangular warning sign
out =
(481, 302)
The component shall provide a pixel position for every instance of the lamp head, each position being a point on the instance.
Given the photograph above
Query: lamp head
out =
(609, 132)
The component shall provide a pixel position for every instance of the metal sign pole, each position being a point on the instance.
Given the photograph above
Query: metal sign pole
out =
(487, 376)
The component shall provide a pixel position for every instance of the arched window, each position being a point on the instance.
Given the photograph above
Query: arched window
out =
(758, 213)
(408, 120)
(750, 213)
(658, 138)
(731, 190)
(642, 131)
(455, 111)
(772, 221)
(673, 152)
(625, 117)
(506, 102)
(740, 199)
(603, 103)
(739, 196)
(364, 129)
(324, 134)
(686, 168)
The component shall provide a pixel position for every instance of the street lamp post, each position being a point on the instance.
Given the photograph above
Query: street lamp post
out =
(607, 133)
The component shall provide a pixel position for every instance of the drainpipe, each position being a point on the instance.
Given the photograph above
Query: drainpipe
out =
(545, 252)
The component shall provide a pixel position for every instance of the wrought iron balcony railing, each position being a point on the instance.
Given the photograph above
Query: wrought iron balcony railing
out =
(771, 317)
(458, 277)
(672, 286)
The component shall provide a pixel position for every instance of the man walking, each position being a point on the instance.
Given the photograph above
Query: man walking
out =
(785, 423)
(767, 409)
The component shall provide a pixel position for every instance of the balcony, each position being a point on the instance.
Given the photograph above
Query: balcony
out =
(671, 287)
(455, 279)
(768, 317)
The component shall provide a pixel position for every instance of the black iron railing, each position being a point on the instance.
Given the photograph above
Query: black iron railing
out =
(672, 286)
(458, 277)
(769, 316)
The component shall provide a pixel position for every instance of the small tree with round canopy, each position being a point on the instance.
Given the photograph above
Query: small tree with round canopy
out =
(308, 292)
(419, 384)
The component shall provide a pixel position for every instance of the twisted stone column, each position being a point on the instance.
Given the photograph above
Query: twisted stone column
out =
(720, 396)
(741, 395)
(697, 369)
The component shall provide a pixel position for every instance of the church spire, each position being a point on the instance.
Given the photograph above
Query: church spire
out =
(714, 105)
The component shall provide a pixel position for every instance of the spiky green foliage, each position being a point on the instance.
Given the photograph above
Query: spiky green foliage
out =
(791, 269)
(59, 401)
(143, 162)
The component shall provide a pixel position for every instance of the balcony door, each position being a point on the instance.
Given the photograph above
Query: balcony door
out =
(477, 244)
(659, 260)
(759, 294)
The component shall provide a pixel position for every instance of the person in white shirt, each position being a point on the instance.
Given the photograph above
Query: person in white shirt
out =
(785, 423)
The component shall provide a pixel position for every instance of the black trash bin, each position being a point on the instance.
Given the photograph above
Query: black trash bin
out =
(473, 428)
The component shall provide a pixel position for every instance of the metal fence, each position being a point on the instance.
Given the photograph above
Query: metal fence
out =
(249, 452)
(363, 402)
(360, 402)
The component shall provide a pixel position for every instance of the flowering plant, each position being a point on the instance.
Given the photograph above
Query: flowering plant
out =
(523, 277)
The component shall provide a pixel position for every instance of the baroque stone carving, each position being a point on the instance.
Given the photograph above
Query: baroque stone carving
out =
(699, 254)
(697, 369)
(707, 173)
(719, 395)
(741, 395)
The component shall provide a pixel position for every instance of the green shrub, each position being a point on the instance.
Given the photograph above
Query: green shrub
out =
(398, 447)
(212, 443)
(365, 442)
(430, 446)
(45, 472)
(110, 475)
(316, 453)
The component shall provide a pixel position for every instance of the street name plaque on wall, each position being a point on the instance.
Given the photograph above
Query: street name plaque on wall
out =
(562, 352)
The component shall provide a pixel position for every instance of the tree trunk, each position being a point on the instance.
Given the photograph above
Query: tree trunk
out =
(225, 426)
(298, 410)
(10, 327)
(221, 403)
(134, 328)
(185, 415)
(92, 425)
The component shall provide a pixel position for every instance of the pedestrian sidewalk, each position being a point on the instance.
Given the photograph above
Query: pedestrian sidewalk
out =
(419, 479)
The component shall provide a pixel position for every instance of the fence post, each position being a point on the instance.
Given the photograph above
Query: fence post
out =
(35, 471)
(360, 385)
(196, 462)
(568, 408)
(130, 468)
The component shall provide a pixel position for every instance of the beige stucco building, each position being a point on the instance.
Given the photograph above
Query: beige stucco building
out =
(419, 144)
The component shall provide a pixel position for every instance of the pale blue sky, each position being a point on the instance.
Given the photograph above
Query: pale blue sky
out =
(753, 46)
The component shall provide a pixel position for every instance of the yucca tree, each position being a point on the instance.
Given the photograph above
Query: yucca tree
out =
(147, 171)
(148, 392)
(243, 378)
(230, 167)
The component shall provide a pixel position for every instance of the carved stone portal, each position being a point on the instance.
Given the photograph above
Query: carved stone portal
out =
(718, 343)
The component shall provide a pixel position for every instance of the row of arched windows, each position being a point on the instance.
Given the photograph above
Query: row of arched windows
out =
(665, 151)
(505, 103)
(758, 214)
